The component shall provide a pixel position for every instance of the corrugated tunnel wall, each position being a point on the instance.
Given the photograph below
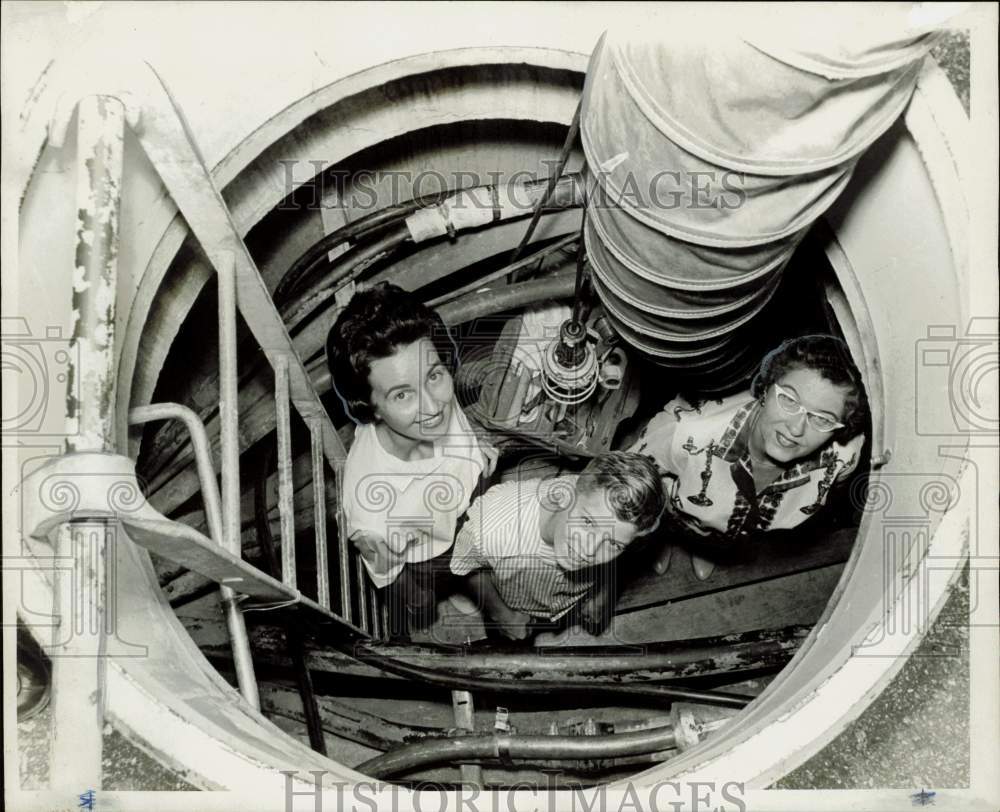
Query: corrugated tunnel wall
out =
(712, 154)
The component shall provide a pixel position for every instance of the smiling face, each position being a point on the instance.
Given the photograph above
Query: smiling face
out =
(412, 393)
(784, 438)
(588, 533)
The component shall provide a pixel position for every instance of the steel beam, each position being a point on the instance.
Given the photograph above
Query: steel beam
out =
(91, 388)
(79, 652)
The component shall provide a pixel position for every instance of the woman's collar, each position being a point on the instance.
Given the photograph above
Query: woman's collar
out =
(734, 440)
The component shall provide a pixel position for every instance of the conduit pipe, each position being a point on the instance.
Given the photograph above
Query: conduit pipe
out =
(498, 300)
(571, 135)
(506, 748)
(684, 659)
(316, 256)
(463, 681)
(483, 205)
(353, 263)
(466, 209)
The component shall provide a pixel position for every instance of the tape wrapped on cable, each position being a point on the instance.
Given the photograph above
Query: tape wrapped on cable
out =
(469, 208)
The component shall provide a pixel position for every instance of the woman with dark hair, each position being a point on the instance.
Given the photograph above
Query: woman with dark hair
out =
(760, 460)
(415, 462)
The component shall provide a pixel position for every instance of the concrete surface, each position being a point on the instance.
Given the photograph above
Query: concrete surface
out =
(916, 734)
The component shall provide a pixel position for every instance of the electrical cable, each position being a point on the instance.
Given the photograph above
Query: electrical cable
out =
(536, 215)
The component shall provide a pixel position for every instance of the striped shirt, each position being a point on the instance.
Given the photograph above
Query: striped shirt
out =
(502, 534)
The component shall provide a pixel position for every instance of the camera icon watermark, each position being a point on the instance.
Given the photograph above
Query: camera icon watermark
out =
(37, 378)
(967, 367)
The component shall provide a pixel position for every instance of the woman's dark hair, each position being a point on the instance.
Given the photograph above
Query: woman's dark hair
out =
(831, 359)
(373, 325)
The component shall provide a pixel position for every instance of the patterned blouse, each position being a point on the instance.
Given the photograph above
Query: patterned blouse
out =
(709, 471)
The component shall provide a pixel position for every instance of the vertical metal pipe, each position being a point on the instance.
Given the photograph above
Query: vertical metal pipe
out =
(379, 629)
(225, 265)
(343, 545)
(376, 616)
(79, 650)
(286, 491)
(362, 581)
(319, 513)
(229, 402)
(462, 704)
(581, 258)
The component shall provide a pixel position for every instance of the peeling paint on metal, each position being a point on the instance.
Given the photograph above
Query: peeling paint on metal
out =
(80, 284)
(99, 168)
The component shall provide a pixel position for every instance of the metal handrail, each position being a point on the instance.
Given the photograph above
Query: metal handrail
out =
(238, 637)
(168, 142)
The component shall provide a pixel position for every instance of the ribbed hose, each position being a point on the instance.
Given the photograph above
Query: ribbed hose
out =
(711, 166)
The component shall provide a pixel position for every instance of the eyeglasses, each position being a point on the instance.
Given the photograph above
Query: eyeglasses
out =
(788, 403)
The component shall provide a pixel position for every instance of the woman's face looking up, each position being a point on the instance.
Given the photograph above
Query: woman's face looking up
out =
(797, 407)
(413, 392)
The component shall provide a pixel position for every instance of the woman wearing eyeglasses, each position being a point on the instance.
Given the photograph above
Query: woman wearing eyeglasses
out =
(761, 460)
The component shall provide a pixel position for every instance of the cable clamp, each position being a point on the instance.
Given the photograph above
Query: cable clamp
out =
(503, 752)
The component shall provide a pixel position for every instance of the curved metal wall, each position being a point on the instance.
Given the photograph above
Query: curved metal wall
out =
(173, 703)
